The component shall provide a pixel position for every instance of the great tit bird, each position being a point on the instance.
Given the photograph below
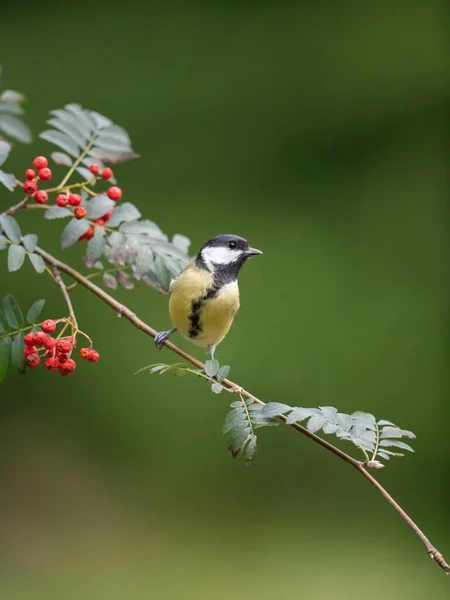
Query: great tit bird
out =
(205, 296)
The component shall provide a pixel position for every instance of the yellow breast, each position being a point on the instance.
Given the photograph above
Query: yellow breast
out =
(203, 318)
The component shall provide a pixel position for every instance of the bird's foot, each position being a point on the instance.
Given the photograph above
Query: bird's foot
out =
(162, 336)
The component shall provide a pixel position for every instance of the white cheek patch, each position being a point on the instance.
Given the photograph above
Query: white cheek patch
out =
(219, 255)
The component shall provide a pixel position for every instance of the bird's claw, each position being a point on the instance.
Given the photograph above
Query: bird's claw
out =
(161, 337)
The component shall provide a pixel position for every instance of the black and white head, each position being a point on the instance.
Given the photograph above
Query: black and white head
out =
(225, 253)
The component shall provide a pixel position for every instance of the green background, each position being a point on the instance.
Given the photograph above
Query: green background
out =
(317, 131)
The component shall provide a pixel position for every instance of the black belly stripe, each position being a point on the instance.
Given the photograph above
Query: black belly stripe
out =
(196, 308)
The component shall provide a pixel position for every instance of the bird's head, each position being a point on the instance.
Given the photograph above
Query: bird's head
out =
(225, 252)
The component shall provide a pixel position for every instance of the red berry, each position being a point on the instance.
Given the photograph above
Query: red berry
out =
(29, 187)
(45, 174)
(88, 234)
(30, 174)
(68, 367)
(41, 197)
(103, 220)
(61, 200)
(79, 212)
(40, 162)
(40, 338)
(48, 326)
(29, 339)
(64, 346)
(114, 193)
(84, 353)
(62, 358)
(94, 168)
(75, 199)
(93, 356)
(50, 344)
(30, 350)
(33, 360)
(52, 364)
(107, 173)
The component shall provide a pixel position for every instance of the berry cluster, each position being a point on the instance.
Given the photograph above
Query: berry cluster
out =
(68, 199)
(56, 351)
(30, 187)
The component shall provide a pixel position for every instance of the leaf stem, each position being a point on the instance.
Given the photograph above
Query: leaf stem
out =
(377, 442)
(58, 280)
(16, 332)
(78, 160)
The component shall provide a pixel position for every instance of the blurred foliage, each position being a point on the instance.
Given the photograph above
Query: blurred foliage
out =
(317, 131)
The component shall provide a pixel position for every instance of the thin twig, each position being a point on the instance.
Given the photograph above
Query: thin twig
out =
(13, 209)
(124, 311)
(58, 280)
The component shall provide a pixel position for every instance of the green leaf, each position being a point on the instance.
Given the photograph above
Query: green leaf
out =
(109, 280)
(37, 262)
(5, 149)
(143, 262)
(16, 100)
(17, 357)
(223, 372)
(83, 117)
(70, 129)
(182, 242)
(100, 120)
(61, 140)
(396, 444)
(99, 206)
(57, 212)
(344, 421)
(12, 312)
(3, 243)
(34, 312)
(124, 212)
(60, 158)
(259, 418)
(233, 418)
(95, 247)
(30, 242)
(395, 432)
(273, 409)
(8, 180)
(382, 422)
(125, 281)
(143, 227)
(76, 117)
(329, 412)
(365, 419)
(216, 388)
(16, 257)
(250, 448)
(315, 423)
(114, 138)
(11, 228)
(5, 354)
(15, 128)
(211, 367)
(73, 231)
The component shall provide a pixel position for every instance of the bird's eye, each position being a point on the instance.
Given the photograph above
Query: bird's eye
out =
(232, 245)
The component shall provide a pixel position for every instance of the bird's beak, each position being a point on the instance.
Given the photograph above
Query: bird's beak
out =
(253, 252)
